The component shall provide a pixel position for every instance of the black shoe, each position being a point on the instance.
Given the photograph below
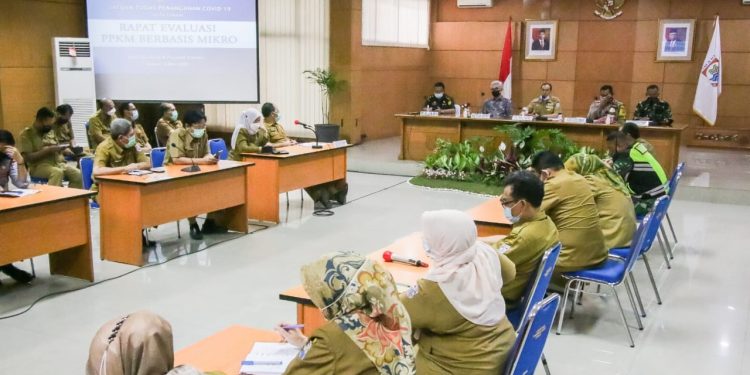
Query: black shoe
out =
(341, 195)
(325, 199)
(145, 242)
(210, 226)
(195, 232)
(20, 276)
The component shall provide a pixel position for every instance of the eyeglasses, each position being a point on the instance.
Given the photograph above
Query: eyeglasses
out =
(508, 203)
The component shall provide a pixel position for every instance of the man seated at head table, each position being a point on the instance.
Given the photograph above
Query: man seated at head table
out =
(189, 146)
(439, 101)
(276, 133)
(653, 109)
(167, 123)
(639, 168)
(570, 204)
(497, 106)
(545, 105)
(100, 121)
(249, 134)
(533, 231)
(44, 153)
(606, 104)
(12, 170)
(128, 111)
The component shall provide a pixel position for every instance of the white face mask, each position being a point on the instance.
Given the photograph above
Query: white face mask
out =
(255, 127)
(508, 211)
(135, 114)
(111, 112)
(439, 95)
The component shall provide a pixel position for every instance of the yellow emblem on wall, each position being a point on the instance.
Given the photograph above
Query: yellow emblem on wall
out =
(609, 9)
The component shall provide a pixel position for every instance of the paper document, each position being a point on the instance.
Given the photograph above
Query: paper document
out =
(18, 193)
(310, 144)
(268, 358)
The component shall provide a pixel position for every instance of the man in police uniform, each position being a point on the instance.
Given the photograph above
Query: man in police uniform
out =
(606, 104)
(545, 105)
(654, 109)
(533, 231)
(100, 121)
(167, 123)
(44, 154)
(439, 101)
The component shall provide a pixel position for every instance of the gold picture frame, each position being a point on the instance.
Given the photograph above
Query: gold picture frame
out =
(540, 40)
(675, 39)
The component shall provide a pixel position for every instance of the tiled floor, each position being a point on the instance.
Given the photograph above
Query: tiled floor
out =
(702, 327)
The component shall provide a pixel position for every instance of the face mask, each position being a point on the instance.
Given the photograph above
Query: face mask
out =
(278, 117)
(254, 127)
(495, 93)
(426, 247)
(135, 114)
(508, 211)
(61, 121)
(439, 95)
(173, 117)
(46, 128)
(544, 97)
(198, 133)
(111, 112)
(131, 142)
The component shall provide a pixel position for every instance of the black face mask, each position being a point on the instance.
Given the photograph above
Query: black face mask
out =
(46, 128)
(61, 121)
(495, 93)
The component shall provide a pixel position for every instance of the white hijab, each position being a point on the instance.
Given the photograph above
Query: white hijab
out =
(247, 122)
(467, 270)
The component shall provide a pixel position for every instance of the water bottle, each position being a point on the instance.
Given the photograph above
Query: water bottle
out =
(610, 116)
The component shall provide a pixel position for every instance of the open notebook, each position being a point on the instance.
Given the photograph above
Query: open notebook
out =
(268, 358)
(18, 193)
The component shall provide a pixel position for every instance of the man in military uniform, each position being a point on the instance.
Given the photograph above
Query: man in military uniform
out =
(167, 123)
(640, 170)
(533, 231)
(545, 105)
(606, 104)
(497, 106)
(439, 101)
(44, 154)
(276, 133)
(99, 122)
(654, 109)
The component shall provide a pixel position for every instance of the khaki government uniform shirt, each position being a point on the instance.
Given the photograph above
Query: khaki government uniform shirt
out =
(248, 143)
(276, 132)
(164, 128)
(616, 213)
(549, 106)
(182, 144)
(32, 141)
(98, 127)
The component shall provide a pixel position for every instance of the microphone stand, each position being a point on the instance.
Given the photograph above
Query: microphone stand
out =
(308, 127)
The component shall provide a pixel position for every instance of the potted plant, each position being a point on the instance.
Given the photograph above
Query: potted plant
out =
(328, 84)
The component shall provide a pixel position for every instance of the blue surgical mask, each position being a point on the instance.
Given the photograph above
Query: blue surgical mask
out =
(131, 142)
(198, 133)
(174, 115)
(508, 211)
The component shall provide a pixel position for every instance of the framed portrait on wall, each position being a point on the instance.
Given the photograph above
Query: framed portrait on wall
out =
(675, 40)
(541, 40)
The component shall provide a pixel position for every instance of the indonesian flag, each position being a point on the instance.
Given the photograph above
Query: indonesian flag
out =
(505, 63)
(707, 94)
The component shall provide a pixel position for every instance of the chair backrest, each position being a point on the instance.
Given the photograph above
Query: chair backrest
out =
(658, 211)
(676, 176)
(636, 245)
(529, 345)
(218, 145)
(157, 156)
(87, 169)
(536, 289)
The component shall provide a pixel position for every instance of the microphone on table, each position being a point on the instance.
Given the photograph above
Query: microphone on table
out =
(308, 127)
(192, 168)
(389, 257)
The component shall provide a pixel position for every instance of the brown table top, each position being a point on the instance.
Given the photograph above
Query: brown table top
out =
(172, 172)
(46, 194)
(295, 150)
(225, 350)
(489, 212)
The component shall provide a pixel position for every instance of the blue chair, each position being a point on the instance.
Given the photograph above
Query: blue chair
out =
(529, 345)
(658, 212)
(87, 169)
(613, 272)
(157, 156)
(218, 145)
(673, 182)
(536, 289)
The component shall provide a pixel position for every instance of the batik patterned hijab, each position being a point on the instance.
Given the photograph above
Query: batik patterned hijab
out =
(587, 164)
(360, 296)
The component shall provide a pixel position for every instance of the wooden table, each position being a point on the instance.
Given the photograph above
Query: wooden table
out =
(490, 219)
(54, 221)
(131, 203)
(405, 275)
(224, 351)
(275, 174)
(419, 133)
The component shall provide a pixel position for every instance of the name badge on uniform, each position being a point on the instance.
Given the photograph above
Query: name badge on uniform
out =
(305, 349)
(503, 249)
(412, 291)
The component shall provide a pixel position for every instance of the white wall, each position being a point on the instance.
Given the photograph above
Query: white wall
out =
(294, 37)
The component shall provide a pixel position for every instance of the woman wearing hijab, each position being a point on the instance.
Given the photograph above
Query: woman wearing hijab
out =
(137, 344)
(368, 329)
(612, 197)
(457, 309)
(249, 134)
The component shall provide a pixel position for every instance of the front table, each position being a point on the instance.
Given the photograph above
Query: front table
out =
(54, 221)
(275, 174)
(131, 203)
(490, 219)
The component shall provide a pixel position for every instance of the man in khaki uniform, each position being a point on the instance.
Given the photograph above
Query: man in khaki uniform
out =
(189, 146)
(545, 105)
(276, 132)
(533, 231)
(569, 203)
(44, 154)
(99, 123)
(118, 154)
(167, 123)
